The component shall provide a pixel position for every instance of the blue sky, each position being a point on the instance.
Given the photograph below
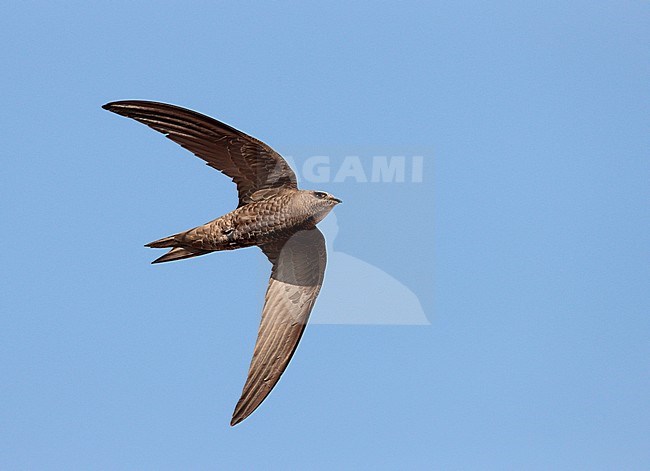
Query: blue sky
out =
(525, 243)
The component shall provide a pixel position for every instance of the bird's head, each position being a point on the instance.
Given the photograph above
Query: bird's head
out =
(320, 203)
(325, 198)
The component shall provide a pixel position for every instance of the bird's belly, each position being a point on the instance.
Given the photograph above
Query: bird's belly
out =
(262, 232)
(236, 230)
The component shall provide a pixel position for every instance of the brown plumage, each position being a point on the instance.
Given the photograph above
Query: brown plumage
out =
(272, 214)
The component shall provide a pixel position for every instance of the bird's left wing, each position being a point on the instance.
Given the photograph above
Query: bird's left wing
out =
(251, 164)
(296, 279)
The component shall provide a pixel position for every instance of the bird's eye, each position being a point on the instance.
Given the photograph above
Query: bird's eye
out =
(320, 194)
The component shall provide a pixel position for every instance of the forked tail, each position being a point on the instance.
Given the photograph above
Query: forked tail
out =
(177, 252)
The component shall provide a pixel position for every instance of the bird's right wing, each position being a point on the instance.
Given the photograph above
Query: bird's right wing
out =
(296, 278)
(250, 163)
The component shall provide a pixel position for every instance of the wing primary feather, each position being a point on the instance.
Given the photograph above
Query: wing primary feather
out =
(296, 278)
(249, 162)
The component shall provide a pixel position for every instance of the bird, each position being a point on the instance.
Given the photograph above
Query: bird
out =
(272, 214)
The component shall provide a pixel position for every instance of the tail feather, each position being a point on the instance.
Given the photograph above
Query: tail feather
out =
(179, 253)
(163, 243)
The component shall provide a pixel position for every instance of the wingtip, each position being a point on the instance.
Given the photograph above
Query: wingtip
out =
(115, 105)
(238, 415)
